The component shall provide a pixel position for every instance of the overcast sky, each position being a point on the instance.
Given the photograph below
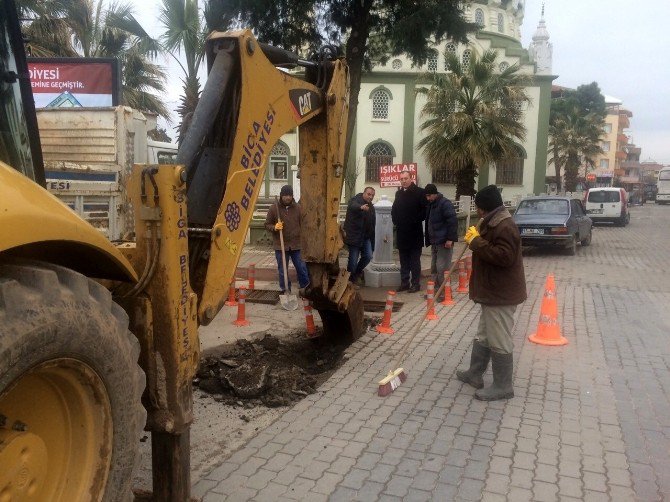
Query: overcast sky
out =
(622, 45)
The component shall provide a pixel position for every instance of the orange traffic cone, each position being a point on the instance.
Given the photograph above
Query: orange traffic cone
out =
(448, 298)
(231, 295)
(241, 310)
(309, 318)
(385, 327)
(548, 330)
(462, 278)
(430, 302)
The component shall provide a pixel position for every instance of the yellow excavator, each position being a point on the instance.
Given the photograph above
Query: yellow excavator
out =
(99, 340)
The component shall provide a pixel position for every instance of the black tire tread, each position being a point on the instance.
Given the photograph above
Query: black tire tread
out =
(28, 290)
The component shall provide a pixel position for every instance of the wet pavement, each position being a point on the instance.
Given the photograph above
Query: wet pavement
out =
(589, 420)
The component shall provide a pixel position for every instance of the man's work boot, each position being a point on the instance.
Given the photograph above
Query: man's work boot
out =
(403, 287)
(502, 379)
(479, 360)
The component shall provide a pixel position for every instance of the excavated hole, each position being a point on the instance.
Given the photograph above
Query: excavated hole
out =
(272, 371)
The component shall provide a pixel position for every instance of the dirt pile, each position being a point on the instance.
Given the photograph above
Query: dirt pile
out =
(268, 371)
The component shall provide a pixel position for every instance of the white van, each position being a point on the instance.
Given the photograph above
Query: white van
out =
(608, 204)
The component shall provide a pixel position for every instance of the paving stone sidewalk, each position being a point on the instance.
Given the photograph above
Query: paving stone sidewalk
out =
(589, 421)
(265, 263)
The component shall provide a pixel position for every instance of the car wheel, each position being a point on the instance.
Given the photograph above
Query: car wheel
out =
(572, 247)
(587, 240)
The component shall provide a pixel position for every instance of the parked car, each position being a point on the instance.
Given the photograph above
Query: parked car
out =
(553, 221)
(608, 204)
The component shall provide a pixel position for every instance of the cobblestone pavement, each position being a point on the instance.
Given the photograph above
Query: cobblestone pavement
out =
(590, 420)
(263, 259)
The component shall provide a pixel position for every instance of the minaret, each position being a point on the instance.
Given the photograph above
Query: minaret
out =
(540, 49)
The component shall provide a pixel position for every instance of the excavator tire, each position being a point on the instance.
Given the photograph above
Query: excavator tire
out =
(70, 388)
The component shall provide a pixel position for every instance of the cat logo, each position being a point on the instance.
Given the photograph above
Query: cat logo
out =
(304, 102)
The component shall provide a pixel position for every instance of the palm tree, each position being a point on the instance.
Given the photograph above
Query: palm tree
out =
(72, 28)
(575, 140)
(186, 29)
(46, 28)
(474, 115)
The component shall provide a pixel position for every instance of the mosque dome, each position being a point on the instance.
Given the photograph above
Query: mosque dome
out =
(503, 17)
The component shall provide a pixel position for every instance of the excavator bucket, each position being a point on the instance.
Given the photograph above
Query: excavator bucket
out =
(345, 326)
(337, 300)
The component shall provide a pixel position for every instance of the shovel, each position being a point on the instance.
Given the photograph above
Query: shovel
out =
(287, 301)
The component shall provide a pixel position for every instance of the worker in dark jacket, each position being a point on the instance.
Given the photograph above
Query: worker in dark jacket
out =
(288, 220)
(441, 232)
(498, 284)
(407, 213)
(359, 232)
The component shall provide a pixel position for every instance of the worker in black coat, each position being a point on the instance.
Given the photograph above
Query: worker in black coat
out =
(407, 214)
(359, 232)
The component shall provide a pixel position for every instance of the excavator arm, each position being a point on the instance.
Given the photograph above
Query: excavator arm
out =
(191, 221)
(247, 104)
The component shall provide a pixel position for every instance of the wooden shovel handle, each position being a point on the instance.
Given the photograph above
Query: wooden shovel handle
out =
(287, 287)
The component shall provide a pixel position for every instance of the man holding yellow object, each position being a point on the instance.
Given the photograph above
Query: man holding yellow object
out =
(498, 284)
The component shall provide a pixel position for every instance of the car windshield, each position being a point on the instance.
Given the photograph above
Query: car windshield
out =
(543, 206)
(664, 175)
(600, 196)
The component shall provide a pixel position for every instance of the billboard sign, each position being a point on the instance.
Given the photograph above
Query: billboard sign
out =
(74, 82)
(389, 176)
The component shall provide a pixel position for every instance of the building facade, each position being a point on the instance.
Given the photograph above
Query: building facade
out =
(389, 111)
(614, 144)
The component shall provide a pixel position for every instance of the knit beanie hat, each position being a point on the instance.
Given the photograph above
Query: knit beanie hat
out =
(488, 198)
(286, 190)
(430, 189)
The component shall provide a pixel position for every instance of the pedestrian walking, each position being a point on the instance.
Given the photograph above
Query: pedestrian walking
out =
(498, 284)
(359, 233)
(289, 212)
(408, 213)
(441, 232)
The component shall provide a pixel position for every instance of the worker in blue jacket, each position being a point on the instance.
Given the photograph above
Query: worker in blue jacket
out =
(441, 232)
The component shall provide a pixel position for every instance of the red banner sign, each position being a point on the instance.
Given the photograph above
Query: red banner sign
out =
(389, 176)
(60, 83)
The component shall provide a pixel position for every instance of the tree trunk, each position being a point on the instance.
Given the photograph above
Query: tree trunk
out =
(355, 54)
(571, 174)
(557, 165)
(188, 104)
(465, 180)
